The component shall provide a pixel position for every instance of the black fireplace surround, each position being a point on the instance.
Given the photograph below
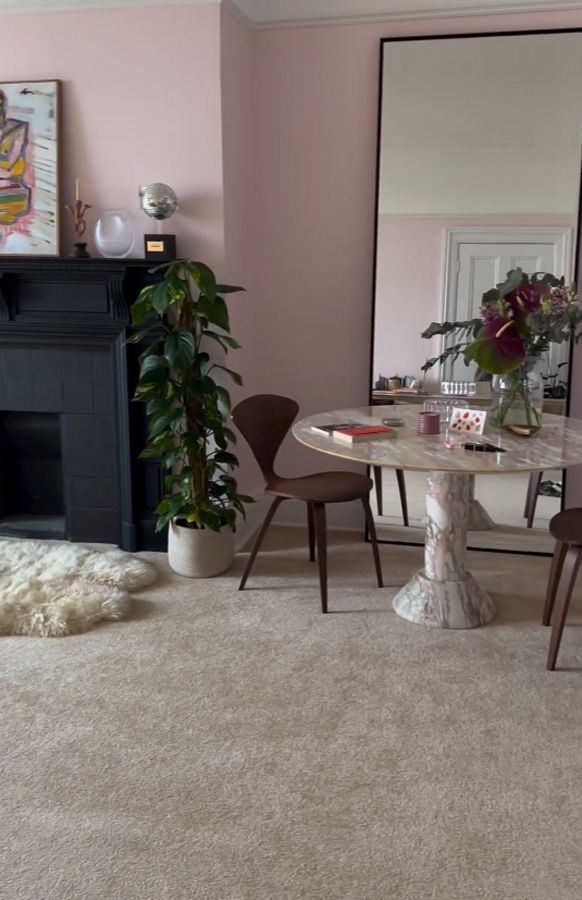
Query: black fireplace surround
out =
(70, 435)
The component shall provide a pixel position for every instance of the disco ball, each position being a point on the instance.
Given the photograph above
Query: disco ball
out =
(158, 200)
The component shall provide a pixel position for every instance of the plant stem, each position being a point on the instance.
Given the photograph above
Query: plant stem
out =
(197, 461)
(518, 386)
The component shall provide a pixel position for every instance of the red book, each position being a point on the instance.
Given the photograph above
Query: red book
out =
(364, 433)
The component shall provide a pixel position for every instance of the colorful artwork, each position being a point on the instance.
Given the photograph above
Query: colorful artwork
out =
(29, 155)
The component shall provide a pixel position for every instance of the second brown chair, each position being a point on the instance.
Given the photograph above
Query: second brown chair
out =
(264, 420)
(566, 529)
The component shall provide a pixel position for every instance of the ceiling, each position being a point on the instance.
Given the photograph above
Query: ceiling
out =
(265, 13)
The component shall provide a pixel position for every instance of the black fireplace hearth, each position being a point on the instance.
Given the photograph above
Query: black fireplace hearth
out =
(70, 436)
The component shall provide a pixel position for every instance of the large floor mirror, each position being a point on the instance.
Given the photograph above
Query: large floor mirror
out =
(479, 158)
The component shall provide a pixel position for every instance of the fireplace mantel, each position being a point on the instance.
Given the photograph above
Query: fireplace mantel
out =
(73, 293)
(64, 324)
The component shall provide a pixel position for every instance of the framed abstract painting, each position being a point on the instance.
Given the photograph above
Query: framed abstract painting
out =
(29, 168)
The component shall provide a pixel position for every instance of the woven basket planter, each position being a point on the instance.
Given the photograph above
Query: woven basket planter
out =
(200, 553)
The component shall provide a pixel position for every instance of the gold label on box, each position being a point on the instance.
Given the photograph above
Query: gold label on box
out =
(155, 247)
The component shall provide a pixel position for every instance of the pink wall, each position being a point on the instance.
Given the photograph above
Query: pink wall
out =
(315, 96)
(236, 91)
(140, 103)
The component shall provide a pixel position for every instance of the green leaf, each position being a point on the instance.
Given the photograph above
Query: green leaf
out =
(234, 345)
(228, 289)
(513, 281)
(160, 298)
(142, 308)
(215, 311)
(234, 375)
(172, 457)
(150, 361)
(223, 456)
(148, 453)
(223, 396)
(203, 277)
(491, 296)
(152, 333)
(157, 405)
(180, 349)
(160, 424)
(438, 328)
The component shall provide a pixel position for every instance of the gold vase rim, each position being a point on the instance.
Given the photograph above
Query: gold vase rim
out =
(523, 430)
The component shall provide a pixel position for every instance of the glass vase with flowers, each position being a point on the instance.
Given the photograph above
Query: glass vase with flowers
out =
(519, 321)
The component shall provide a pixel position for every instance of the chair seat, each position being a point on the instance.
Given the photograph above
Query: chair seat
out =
(322, 487)
(566, 526)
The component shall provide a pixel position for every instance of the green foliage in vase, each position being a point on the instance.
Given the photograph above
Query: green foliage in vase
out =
(519, 319)
(180, 319)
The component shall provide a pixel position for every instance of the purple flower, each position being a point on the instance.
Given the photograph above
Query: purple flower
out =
(527, 298)
(489, 314)
(560, 299)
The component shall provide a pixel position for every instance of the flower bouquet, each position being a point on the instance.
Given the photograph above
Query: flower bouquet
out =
(519, 320)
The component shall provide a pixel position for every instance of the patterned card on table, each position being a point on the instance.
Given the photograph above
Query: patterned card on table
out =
(470, 421)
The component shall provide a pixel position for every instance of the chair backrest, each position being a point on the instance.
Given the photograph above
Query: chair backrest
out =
(264, 420)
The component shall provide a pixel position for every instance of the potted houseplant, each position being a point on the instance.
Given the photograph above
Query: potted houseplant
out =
(519, 320)
(179, 320)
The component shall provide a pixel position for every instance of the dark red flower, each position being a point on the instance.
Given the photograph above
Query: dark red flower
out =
(498, 347)
(527, 298)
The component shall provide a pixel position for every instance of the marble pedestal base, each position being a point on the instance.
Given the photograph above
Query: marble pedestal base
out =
(444, 593)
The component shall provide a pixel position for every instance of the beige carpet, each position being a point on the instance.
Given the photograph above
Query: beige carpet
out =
(240, 746)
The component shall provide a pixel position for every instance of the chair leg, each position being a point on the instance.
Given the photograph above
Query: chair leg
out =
(264, 527)
(402, 492)
(528, 495)
(553, 580)
(321, 534)
(373, 541)
(378, 486)
(311, 529)
(563, 595)
(535, 479)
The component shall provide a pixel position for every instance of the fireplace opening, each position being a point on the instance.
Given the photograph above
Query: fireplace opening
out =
(31, 476)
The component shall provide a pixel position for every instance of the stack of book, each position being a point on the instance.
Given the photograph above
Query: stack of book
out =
(354, 432)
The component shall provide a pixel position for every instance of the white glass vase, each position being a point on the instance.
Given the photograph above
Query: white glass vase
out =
(518, 399)
(114, 234)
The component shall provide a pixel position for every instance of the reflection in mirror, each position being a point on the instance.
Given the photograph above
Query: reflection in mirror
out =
(478, 174)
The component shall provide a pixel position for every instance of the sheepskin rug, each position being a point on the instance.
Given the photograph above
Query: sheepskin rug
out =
(54, 589)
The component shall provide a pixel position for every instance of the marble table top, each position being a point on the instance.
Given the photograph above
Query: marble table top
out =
(557, 446)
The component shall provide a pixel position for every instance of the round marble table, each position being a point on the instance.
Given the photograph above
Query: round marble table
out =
(444, 593)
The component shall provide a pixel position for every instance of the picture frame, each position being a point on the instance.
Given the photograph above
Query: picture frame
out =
(30, 168)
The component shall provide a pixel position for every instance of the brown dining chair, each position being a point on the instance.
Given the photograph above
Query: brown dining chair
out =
(264, 420)
(566, 528)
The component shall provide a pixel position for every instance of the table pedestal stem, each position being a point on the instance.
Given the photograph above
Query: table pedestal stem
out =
(444, 593)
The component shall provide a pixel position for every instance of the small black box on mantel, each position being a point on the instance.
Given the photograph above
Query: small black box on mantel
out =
(160, 247)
